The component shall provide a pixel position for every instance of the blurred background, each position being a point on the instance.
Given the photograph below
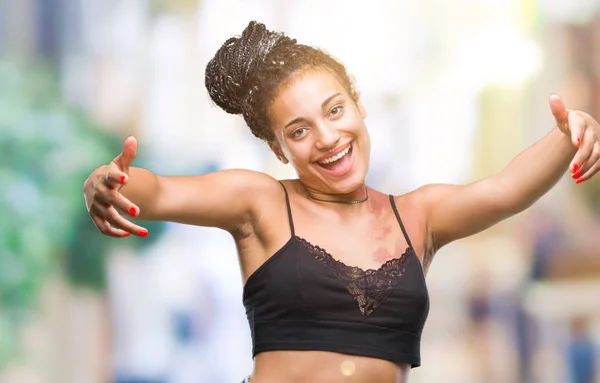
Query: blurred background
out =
(454, 90)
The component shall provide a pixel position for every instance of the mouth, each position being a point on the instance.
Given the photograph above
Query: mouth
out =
(339, 163)
(337, 155)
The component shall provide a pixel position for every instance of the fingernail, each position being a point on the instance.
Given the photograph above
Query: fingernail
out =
(578, 141)
(574, 168)
(122, 179)
(143, 233)
(126, 235)
(576, 175)
(579, 181)
(133, 211)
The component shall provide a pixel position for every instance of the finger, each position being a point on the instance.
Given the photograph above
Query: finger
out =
(590, 161)
(106, 195)
(126, 157)
(577, 125)
(122, 204)
(589, 174)
(588, 141)
(106, 229)
(590, 167)
(110, 214)
(559, 111)
(562, 116)
(115, 179)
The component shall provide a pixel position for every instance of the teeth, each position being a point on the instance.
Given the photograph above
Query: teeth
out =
(337, 156)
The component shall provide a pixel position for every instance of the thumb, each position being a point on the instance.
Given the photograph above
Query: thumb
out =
(561, 115)
(126, 157)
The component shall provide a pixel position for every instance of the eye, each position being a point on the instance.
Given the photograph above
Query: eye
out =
(336, 110)
(298, 133)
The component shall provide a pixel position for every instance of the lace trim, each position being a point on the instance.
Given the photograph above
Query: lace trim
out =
(368, 287)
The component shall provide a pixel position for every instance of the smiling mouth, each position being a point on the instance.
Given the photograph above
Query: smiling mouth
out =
(337, 159)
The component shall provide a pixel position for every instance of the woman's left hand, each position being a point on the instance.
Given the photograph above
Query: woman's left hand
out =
(584, 132)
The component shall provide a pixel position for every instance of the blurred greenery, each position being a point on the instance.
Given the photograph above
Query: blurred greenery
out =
(47, 149)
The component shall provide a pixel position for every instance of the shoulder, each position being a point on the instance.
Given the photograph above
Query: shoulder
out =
(264, 195)
(413, 207)
(431, 197)
(425, 201)
(417, 198)
(292, 187)
(258, 186)
(255, 183)
(412, 204)
(252, 177)
(429, 192)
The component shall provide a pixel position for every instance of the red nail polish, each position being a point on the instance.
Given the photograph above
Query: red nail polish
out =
(133, 211)
(578, 141)
(126, 235)
(122, 179)
(576, 175)
(575, 167)
(143, 233)
(579, 181)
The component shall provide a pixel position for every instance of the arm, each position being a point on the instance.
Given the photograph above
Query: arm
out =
(455, 212)
(225, 199)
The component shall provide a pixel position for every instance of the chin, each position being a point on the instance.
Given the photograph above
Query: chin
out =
(351, 184)
(348, 184)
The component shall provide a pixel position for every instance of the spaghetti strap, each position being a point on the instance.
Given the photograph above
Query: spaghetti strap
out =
(393, 203)
(289, 209)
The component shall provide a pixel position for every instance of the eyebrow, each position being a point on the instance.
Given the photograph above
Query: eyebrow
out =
(323, 104)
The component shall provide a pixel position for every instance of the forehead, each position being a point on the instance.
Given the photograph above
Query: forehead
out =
(302, 95)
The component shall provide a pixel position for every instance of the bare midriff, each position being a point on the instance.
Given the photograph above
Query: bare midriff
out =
(324, 367)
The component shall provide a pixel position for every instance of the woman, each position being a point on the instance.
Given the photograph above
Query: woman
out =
(333, 269)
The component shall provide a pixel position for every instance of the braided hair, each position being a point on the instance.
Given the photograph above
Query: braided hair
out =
(247, 71)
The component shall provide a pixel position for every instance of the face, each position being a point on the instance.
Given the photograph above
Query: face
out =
(319, 128)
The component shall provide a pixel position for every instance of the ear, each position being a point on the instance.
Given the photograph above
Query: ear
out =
(278, 152)
(359, 105)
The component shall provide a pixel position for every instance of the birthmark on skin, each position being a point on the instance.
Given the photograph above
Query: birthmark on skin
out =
(382, 255)
(383, 232)
(379, 205)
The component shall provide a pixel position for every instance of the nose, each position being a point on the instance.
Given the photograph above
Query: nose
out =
(327, 137)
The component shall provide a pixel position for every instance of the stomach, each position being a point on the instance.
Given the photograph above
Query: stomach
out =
(324, 367)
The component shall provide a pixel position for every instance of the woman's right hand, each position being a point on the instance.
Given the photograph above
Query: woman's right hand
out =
(103, 199)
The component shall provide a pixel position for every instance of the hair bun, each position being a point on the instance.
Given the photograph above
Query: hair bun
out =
(228, 74)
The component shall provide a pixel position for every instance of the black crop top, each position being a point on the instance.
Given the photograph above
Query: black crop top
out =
(303, 299)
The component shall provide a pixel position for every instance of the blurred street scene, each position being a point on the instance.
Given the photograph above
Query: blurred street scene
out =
(453, 89)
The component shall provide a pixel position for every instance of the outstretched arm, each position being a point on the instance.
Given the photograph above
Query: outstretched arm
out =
(226, 199)
(455, 212)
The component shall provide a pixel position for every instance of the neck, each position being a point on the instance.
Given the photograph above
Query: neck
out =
(356, 197)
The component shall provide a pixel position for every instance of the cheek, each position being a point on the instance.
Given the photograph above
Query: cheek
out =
(298, 153)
